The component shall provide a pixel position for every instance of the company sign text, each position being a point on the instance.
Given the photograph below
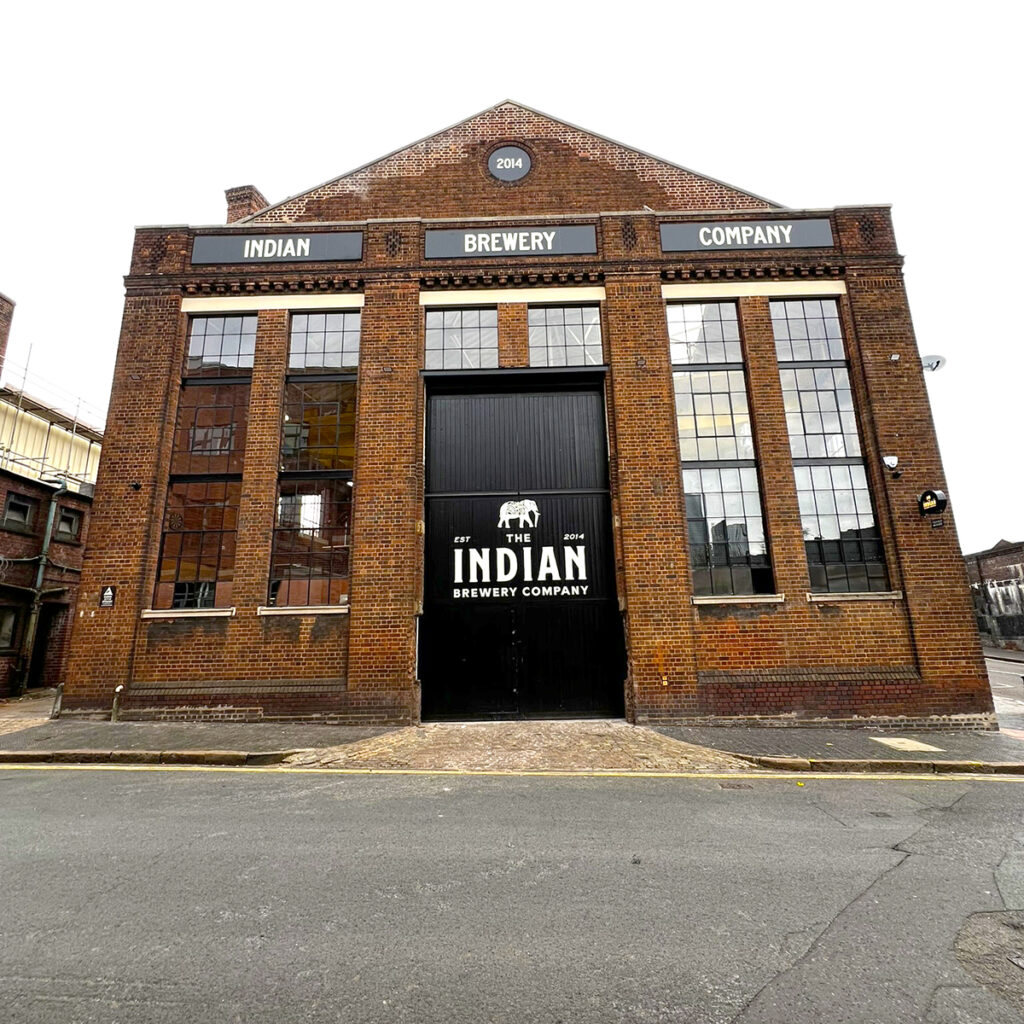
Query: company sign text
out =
(774, 234)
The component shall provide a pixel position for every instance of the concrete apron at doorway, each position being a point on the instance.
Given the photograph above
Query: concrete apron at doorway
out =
(514, 746)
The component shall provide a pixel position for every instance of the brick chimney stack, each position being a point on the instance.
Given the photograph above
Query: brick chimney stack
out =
(243, 201)
(6, 312)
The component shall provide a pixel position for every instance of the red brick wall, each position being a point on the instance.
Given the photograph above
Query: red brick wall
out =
(917, 655)
(573, 171)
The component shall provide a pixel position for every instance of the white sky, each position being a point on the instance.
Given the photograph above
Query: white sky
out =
(115, 116)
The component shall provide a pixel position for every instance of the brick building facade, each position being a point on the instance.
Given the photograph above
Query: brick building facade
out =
(518, 420)
(47, 461)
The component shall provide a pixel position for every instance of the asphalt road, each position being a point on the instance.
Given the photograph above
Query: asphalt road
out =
(190, 896)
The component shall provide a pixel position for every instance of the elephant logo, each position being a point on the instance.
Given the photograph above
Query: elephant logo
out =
(525, 511)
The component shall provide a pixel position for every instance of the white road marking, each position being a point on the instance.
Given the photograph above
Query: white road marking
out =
(902, 743)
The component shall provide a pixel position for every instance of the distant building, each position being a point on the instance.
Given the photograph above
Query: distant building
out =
(997, 585)
(1003, 561)
(48, 462)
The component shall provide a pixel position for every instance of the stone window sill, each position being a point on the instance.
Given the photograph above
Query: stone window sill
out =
(188, 613)
(303, 609)
(740, 599)
(873, 595)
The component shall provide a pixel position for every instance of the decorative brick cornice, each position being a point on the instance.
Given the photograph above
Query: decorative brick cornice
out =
(312, 284)
(768, 272)
(511, 280)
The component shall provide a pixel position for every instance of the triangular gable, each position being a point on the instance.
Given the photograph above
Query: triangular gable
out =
(445, 176)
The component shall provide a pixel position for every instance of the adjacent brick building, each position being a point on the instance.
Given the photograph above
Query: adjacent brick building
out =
(48, 465)
(518, 420)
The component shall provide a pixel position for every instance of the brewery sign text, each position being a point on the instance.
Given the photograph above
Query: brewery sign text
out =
(517, 241)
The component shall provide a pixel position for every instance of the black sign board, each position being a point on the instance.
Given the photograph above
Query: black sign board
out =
(932, 503)
(315, 247)
(511, 241)
(108, 595)
(746, 234)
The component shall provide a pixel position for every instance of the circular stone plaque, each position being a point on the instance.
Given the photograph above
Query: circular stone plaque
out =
(510, 163)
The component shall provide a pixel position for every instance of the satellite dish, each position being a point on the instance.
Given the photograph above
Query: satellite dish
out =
(933, 362)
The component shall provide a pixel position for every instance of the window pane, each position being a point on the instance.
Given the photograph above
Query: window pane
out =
(726, 530)
(461, 339)
(220, 346)
(324, 342)
(842, 551)
(713, 406)
(565, 336)
(197, 548)
(318, 432)
(703, 332)
(312, 535)
(211, 427)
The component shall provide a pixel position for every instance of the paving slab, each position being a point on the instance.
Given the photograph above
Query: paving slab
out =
(249, 737)
(852, 744)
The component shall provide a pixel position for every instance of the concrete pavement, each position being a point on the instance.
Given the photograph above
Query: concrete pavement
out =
(27, 734)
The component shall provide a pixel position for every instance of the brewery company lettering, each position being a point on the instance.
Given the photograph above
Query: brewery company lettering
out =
(774, 234)
(552, 241)
(562, 572)
(509, 241)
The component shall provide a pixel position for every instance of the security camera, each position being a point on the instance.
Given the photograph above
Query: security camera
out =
(891, 461)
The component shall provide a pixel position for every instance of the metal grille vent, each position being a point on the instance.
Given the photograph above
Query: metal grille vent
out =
(628, 234)
(866, 228)
(393, 243)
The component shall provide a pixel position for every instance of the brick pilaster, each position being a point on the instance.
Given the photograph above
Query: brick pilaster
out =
(655, 555)
(513, 334)
(771, 440)
(387, 499)
(262, 455)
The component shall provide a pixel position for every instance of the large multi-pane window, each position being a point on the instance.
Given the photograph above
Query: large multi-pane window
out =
(197, 557)
(311, 542)
(725, 522)
(197, 548)
(461, 339)
(312, 529)
(565, 336)
(841, 535)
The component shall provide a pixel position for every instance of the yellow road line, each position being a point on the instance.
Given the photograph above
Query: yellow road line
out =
(528, 773)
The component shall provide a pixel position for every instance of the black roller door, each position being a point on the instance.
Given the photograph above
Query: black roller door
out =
(520, 613)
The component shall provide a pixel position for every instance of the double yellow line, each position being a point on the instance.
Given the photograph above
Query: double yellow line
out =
(779, 776)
